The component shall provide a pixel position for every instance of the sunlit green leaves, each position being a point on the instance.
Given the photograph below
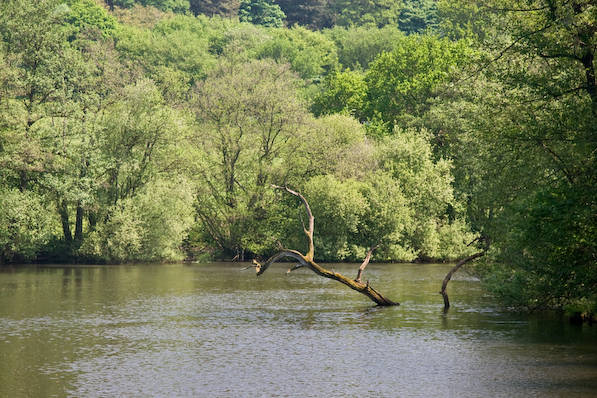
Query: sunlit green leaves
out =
(87, 15)
(309, 53)
(401, 81)
(25, 225)
(367, 12)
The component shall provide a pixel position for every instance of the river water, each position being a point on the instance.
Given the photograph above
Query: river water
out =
(210, 330)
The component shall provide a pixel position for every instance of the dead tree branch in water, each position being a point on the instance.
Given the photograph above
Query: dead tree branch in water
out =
(458, 265)
(308, 262)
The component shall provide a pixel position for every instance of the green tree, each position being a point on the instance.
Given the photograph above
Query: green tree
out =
(367, 12)
(261, 12)
(248, 116)
(418, 16)
(175, 53)
(310, 54)
(384, 222)
(555, 252)
(127, 151)
(337, 145)
(341, 91)
(25, 225)
(239, 41)
(225, 8)
(180, 6)
(338, 207)
(149, 226)
(426, 183)
(48, 76)
(77, 138)
(358, 46)
(459, 20)
(315, 14)
(391, 194)
(402, 81)
(354, 216)
(522, 138)
(85, 15)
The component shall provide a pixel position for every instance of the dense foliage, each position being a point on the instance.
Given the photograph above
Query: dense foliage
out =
(261, 12)
(153, 130)
(521, 128)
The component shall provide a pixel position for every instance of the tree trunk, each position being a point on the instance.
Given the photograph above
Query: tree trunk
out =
(79, 223)
(587, 61)
(63, 211)
(307, 261)
(92, 220)
(23, 180)
(449, 276)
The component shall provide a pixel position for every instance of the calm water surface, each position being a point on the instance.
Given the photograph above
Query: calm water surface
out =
(212, 331)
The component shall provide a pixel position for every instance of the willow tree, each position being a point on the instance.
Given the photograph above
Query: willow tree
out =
(307, 260)
(248, 115)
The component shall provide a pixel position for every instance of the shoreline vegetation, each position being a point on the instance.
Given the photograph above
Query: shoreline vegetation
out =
(418, 130)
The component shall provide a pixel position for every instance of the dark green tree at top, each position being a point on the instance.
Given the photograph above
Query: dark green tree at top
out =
(367, 12)
(417, 16)
(226, 8)
(315, 14)
(261, 12)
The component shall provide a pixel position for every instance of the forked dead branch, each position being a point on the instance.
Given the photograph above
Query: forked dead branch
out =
(307, 261)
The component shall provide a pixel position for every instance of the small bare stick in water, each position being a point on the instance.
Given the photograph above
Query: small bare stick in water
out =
(458, 265)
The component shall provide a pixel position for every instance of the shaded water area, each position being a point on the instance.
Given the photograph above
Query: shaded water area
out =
(210, 330)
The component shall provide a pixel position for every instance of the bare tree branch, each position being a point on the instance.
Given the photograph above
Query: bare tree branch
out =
(309, 232)
(365, 263)
(307, 261)
(285, 253)
(295, 267)
(451, 272)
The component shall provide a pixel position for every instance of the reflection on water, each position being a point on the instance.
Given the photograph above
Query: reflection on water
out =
(213, 331)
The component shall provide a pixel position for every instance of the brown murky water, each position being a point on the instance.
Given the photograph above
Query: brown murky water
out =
(212, 331)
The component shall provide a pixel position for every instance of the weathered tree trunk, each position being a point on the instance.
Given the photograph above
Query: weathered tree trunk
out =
(307, 261)
(451, 272)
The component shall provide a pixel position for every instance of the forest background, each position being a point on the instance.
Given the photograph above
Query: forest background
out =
(152, 130)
